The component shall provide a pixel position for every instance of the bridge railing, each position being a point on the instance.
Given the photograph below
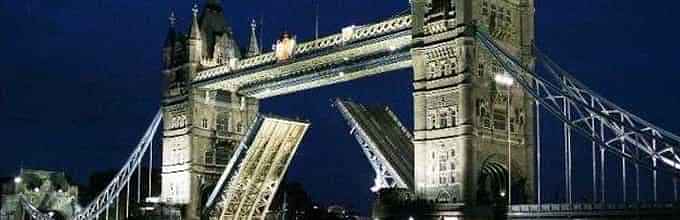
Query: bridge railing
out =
(348, 35)
(111, 192)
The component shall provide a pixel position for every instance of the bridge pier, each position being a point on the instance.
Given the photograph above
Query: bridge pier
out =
(466, 125)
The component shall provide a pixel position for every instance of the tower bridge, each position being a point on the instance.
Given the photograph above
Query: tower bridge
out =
(475, 148)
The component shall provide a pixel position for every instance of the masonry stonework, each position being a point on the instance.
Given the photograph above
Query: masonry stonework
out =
(461, 115)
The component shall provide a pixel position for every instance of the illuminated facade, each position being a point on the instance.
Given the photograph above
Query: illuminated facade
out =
(201, 127)
(461, 113)
(462, 119)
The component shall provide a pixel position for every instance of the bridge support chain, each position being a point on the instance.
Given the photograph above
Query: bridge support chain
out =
(623, 128)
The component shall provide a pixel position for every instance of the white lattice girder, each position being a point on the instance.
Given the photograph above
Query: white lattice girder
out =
(569, 100)
(248, 192)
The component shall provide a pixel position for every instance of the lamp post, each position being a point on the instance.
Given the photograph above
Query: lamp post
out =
(507, 81)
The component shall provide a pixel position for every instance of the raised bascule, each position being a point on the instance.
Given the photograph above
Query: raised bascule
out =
(474, 151)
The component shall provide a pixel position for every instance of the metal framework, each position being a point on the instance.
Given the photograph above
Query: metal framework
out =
(219, 194)
(256, 169)
(589, 114)
(110, 194)
(393, 164)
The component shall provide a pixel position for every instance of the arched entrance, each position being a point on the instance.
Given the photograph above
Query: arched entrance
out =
(492, 183)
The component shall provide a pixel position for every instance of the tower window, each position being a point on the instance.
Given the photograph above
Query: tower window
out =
(443, 118)
(222, 124)
(204, 123)
(452, 118)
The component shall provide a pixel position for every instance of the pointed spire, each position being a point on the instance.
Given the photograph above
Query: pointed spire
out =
(172, 19)
(254, 48)
(195, 29)
(170, 38)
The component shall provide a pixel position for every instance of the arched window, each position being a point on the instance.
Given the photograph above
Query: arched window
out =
(210, 155)
(182, 121)
(480, 69)
(239, 127)
(431, 120)
(443, 118)
(222, 124)
(204, 123)
(454, 114)
(174, 122)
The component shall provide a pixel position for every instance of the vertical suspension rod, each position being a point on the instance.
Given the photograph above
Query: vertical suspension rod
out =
(507, 106)
(139, 182)
(127, 201)
(654, 174)
(150, 164)
(116, 209)
(567, 151)
(603, 197)
(594, 154)
(569, 147)
(623, 164)
(637, 177)
(538, 145)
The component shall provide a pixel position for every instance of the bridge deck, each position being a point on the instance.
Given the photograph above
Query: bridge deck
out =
(356, 52)
(592, 210)
(386, 143)
(248, 185)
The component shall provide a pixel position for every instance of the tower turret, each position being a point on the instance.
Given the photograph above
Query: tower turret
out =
(219, 45)
(254, 48)
(195, 39)
(168, 47)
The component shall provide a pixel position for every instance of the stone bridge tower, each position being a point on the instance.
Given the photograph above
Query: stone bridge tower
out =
(462, 118)
(201, 127)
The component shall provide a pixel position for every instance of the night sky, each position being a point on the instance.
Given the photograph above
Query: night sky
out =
(80, 80)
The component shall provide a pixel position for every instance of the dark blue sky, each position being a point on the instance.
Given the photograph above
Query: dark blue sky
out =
(80, 80)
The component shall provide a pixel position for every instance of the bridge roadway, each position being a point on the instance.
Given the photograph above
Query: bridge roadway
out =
(583, 211)
(249, 183)
(386, 143)
(595, 211)
(358, 51)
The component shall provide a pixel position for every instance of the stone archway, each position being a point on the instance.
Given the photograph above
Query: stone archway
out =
(492, 183)
(206, 190)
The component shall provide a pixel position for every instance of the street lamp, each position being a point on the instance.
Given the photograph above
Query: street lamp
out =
(17, 180)
(506, 80)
